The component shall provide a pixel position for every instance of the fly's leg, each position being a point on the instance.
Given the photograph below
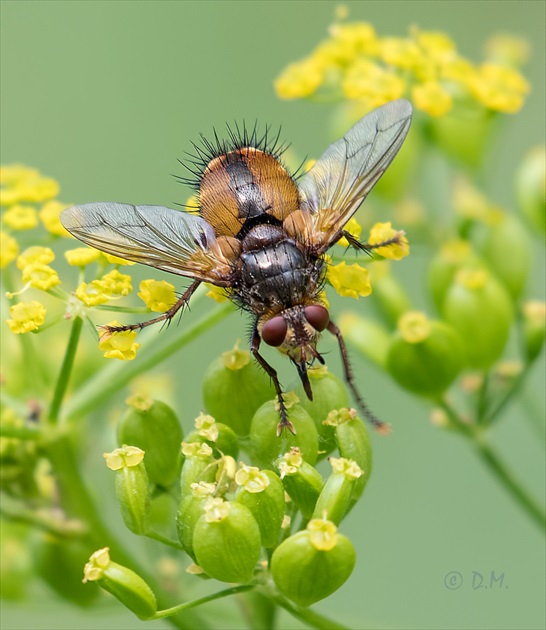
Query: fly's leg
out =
(369, 247)
(164, 317)
(272, 373)
(382, 427)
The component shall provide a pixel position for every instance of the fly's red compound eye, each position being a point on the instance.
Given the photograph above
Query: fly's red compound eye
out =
(317, 316)
(274, 331)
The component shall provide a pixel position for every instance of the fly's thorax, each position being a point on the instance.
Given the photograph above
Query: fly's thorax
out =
(245, 184)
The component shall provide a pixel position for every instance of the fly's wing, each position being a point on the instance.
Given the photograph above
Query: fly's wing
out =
(178, 242)
(334, 188)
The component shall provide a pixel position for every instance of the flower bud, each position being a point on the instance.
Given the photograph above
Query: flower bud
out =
(531, 187)
(132, 486)
(234, 386)
(425, 356)
(153, 426)
(217, 435)
(262, 492)
(329, 392)
(479, 309)
(190, 511)
(267, 447)
(302, 482)
(226, 541)
(505, 233)
(367, 336)
(388, 294)
(335, 498)
(313, 563)
(199, 465)
(534, 328)
(124, 584)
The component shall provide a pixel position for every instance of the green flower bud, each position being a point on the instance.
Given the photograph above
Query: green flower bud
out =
(125, 585)
(388, 294)
(132, 486)
(367, 336)
(506, 234)
(451, 257)
(226, 541)
(190, 511)
(302, 482)
(329, 392)
(313, 564)
(479, 308)
(199, 465)
(234, 386)
(267, 447)
(262, 492)
(153, 426)
(425, 356)
(353, 443)
(217, 435)
(335, 499)
(531, 187)
(534, 328)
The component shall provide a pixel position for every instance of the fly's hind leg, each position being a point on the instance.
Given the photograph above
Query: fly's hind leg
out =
(369, 247)
(382, 427)
(164, 317)
(272, 373)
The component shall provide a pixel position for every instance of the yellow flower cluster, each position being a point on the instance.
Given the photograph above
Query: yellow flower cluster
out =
(112, 284)
(119, 345)
(355, 64)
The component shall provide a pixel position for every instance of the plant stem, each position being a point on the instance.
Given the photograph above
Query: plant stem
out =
(164, 540)
(309, 617)
(160, 614)
(66, 370)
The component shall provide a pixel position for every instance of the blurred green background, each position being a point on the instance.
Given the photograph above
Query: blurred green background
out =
(105, 96)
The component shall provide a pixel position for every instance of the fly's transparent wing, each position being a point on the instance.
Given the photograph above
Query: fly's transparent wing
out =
(178, 242)
(336, 185)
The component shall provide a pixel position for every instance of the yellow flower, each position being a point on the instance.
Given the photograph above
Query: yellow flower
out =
(347, 41)
(81, 256)
(12, 174)
(50, 214)
(349, 280)
(26, 316)
(218, 294)
(20, 183)
(20, 218)
(354, 228)
(40, 276)
(192, 205)
(384, 232)
(40, 189)
(116, 260)
(500, 88)
(399, 52)
(432, 98)
(459, 70)
(367, 81)
(299, 79)
(120, 345)
(158, 295)
(8, 249)
(507, 50)
(436, 45)
(93, 293)
(35, 254)
(118, 283)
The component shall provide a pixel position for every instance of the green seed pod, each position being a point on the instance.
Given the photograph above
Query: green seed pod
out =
(125, 585)
(388, 294)
(425, 356)
(302, 482)
(534, 328)
(234, 386)
(199, 465)
(505, 233)
(267, 447)
(132, 487)
(217, 435)
(329, 392)
(353, 443)
(190, 511)
(531, 187)
(479, 309)
(335, 499)
(367, 336)
(153, 426)
(313, 564)
(226, 541)
(262, 492)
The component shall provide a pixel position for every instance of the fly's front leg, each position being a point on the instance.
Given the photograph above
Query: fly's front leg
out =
(382, 427)
(369, 247)
(270, 370)
(165, 317)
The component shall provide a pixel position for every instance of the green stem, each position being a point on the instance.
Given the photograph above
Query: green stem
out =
(164, 540)
(21, 433)
(309, 617)
(481, 403)
(143, 310)
(515, 387)
(66, 370)
(160, 614)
